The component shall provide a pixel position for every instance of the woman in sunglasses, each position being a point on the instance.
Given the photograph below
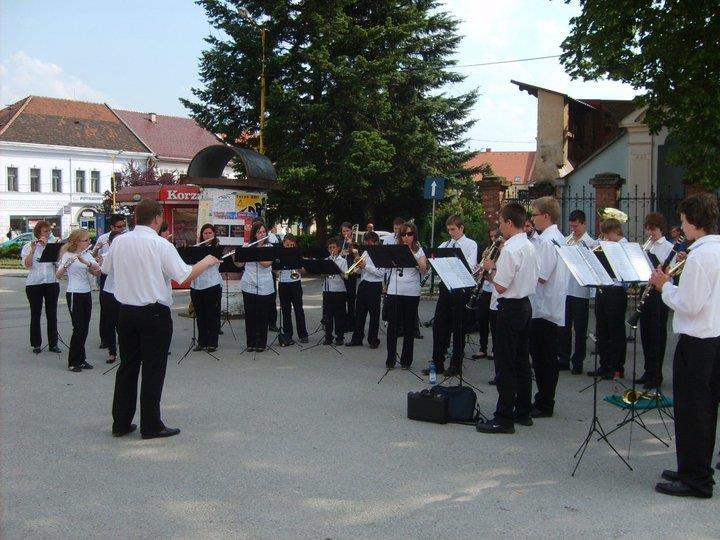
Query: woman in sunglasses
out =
(403, 297)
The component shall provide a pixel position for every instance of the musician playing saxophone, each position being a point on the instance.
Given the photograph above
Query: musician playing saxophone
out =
(696, 365)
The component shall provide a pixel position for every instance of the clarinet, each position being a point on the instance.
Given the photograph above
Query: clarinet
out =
(632, 322)
(492, 253)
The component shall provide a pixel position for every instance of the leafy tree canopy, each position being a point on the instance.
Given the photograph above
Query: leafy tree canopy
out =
(668, 49)
(357, 114)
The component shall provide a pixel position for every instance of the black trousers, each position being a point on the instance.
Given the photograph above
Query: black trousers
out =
(36, 295)
(109, 324)
(512, 359)
(144, 336)
(653, 332)
(351, 286)
(696, 393)
(80, 307)
(449, 319)
(577, 311)
(272, 307)
(401, 309)
(483, 318)
(256, 318)
(291, 295)
(543, 349)
(103, 323)
(610, 308)
(367, 302)
(335, 317)
(207, 314)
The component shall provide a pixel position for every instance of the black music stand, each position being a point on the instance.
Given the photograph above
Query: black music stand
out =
(227, 266)
(595, 425)
(287, 259)
(255, 254)
(192, 255)
(324, 267)
(395, 258)
(51, 254)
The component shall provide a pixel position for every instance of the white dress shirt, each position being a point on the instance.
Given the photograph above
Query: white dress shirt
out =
(40, 273)
(143, 264)
(335, 282)
(78, 273)
(574, 288)
(535, 241)
(468, 248)
(257, 279)
(550, 296)
(371, 273)
(390, 240)
(210, 277)
(102, 241)
(517, 269)
(285, 276)
(661, 249)
(407, 284)
(696, 301)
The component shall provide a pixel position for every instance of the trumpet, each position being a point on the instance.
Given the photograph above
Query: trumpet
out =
(632, 396)
(294, 273)
(354, 266)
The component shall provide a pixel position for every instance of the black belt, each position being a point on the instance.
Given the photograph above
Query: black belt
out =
(153, 308)
(513, 300)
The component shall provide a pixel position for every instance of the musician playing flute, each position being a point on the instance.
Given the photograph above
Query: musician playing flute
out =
(696, 365)
(79, 266)
(206, 295)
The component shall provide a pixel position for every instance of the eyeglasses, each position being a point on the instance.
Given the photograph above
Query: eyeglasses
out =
(536, 215)
(409, 233)
(119, 226)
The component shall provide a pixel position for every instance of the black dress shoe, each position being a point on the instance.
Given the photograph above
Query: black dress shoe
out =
(303, 339)
(672, 476)
(250, 349)
(599, 372)
(418, 335)
(120, 433)
(678, 489)
(353, 344)
(405, 366)
(75, 369)
(652, 384)
(165, 432)
(493, 381)
(37, 350)
(327, 341)
(576, 370)
(211, 349)
(55, 349)
(374, 345)
(339, 341)
(524, 420)
(273, 328)
(198, 347)
(537, 413)
(493, 427)
(426, 371)
(259, 349)
(642, 380)
(85, 365)
(390, 365)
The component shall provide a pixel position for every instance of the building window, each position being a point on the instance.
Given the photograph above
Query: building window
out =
(95, 181)
(12, 179)
(80, 181)
(35, 180)
(57, 180)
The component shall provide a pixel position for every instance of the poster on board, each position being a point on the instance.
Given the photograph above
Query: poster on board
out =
(231, 212)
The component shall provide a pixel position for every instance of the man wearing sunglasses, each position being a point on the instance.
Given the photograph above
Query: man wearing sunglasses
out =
(102, 246)
(450, 307)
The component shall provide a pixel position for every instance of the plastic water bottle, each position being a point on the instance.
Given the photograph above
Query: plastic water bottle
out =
(432, 377)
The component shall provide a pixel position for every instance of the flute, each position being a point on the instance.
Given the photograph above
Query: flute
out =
(255, 242)
(71, 260)
(201, 243)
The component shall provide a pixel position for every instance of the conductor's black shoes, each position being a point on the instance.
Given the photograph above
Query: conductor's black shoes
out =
(678, 489)
(165, 432)
(122, 432)
(493, 427)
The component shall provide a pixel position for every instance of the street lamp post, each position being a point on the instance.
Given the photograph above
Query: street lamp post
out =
(245, 14)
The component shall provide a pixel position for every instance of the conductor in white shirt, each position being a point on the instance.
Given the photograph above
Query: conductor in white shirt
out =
(143, 265)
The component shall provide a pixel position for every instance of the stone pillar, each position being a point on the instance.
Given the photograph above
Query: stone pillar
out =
(695, 189)
(607, 189)
(492, 190)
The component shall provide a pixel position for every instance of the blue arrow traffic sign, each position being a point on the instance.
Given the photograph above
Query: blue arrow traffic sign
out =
(434, 188)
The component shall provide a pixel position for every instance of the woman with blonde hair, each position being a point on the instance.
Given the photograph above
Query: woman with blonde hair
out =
(78, 264)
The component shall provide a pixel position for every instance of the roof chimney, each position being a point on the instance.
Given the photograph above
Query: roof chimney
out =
(153, 118)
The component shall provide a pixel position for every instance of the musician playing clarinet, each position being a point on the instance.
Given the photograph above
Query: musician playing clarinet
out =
(654, 316)
(696, 366)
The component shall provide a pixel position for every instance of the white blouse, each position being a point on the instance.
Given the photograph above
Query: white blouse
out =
(405, 281)
(40, 273)
(78, 273)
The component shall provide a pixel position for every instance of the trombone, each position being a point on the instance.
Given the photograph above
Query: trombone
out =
(353, 267)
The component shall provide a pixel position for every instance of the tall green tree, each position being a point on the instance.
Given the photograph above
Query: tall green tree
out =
(669, 50)
(357, 114)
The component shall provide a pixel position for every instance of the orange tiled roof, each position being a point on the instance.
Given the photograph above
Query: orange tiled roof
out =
(516, 166)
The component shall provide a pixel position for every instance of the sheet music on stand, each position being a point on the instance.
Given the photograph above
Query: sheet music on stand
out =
(453, 273)
(628, 261)
(585, 267)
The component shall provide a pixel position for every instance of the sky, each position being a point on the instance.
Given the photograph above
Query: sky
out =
(143, 55)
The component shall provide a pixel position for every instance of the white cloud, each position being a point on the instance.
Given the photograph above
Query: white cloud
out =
(23, 75)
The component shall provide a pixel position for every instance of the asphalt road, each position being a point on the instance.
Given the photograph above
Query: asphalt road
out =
(307, 444)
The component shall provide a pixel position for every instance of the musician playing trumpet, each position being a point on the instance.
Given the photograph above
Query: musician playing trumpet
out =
(654, 316)
(696, 366)
(79, 266)
(291, 299)
(369, 292)
(335, 296)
